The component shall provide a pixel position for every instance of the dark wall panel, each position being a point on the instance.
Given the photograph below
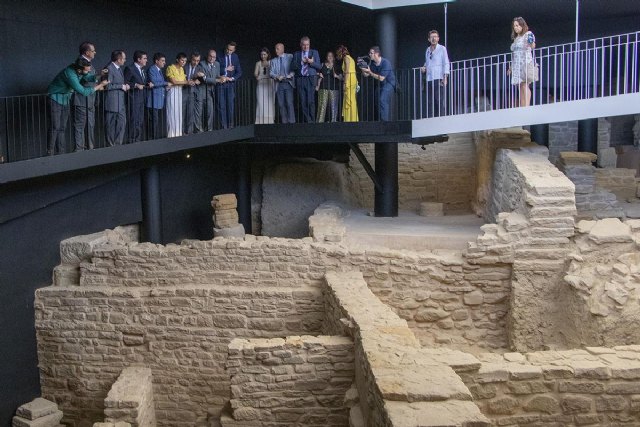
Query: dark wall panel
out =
(30, 250)
(39, 38)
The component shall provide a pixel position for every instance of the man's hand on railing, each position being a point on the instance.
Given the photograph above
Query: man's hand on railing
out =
(101, 85)
(126, 87)
(150, 85)
(423, 69)
(139, 86)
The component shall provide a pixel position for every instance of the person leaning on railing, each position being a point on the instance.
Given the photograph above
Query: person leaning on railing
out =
(380, 70)
(59, 94)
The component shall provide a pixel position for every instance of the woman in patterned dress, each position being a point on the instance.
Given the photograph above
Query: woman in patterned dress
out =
(521, 58)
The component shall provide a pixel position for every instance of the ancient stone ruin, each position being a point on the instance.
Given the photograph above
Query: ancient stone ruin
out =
(534, 323)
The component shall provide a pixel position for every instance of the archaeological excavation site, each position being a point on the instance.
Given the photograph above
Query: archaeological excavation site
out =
(505, 293)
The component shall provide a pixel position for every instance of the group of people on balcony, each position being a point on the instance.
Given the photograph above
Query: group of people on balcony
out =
(197, 92)
(279, 77)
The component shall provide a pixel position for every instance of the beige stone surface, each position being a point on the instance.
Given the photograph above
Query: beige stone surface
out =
(37, 408)
(431, 209)
(436, 414)
(49, 420)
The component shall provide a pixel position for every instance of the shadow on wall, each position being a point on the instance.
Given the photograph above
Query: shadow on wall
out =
(292, 191)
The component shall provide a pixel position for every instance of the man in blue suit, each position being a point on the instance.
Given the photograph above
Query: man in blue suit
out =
(155, 96)
(135, 77)
(230, 71)
(306, 64)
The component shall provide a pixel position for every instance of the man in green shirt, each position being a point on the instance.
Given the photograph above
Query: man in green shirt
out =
(59, 94)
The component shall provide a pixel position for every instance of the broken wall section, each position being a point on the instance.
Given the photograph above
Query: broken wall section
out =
(130, 399)
(398, 382)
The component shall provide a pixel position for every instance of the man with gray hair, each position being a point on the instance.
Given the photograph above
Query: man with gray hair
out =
(283, 75)
(306, 64)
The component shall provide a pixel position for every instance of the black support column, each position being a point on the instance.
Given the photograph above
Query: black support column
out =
(244, 187)
(588, 136)
(540, 134)
(151, 206)
(386, 198)
(386, 155)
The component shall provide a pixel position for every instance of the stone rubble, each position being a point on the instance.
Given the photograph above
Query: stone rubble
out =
(37, 413)
(225, 217)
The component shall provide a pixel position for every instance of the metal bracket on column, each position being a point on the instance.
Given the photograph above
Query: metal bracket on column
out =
(366, 165)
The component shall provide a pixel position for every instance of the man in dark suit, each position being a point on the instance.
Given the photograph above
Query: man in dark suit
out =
(210, 76)
(191, 96)
(283, 76)
(114, 103)
(306, 64)
(230, 72)
(156, 94)
(135, 77)
(84, 107)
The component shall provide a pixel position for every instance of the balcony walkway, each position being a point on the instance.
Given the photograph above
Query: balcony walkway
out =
(617, 105)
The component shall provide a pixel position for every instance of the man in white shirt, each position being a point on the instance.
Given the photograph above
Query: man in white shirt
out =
(436, 68)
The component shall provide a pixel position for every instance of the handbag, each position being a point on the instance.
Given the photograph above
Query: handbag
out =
(532, 72)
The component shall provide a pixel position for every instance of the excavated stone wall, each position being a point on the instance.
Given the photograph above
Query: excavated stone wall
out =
(443, 173)
(292, 381)
(398, 382)
(595, 386)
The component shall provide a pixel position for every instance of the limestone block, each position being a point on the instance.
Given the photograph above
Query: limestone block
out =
(50, 420)
(574, 157)
(607, 157)
(66, 275)
(432, 414)
(37, 408)
(223, 199)
(546, 404)
(610, 230)
(431, 209)
(576, 405)
(80, 248)
(234, 232)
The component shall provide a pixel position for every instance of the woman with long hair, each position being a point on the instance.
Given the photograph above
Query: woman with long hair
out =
(522, 69)
(350, 82)
(328, 87)
(265, 94)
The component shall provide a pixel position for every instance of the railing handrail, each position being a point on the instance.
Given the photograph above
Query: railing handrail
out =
(538, 49)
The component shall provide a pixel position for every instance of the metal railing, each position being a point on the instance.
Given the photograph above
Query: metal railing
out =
(606, 66)
(594, 68)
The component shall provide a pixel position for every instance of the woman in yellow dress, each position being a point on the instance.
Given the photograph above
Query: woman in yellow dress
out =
(177, 77)
(350, 82)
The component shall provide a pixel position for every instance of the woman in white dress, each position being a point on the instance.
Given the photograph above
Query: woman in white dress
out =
(522, 59)
(265, 92)
(175, 74)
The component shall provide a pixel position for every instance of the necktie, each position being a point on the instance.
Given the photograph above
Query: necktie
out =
(190, 72)
(144, 78)
(305, 66)
(228, 63)
(281, 67)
